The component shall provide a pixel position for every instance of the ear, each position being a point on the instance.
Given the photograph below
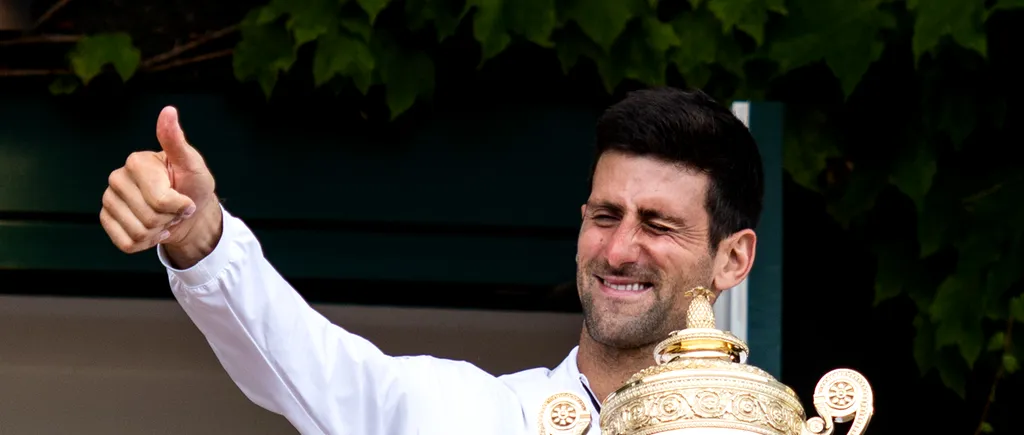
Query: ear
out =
(734, 260)
(583, 211)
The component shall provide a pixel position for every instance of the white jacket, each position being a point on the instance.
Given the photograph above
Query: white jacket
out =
(289, 359)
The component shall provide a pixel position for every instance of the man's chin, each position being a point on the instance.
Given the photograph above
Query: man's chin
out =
(624, 335)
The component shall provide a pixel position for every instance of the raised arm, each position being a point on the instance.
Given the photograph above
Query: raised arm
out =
(280, 352)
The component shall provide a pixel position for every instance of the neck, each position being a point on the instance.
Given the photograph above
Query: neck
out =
(608, 368)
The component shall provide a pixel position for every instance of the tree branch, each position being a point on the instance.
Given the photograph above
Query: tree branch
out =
(179, 49)
(32, 72)
(1000, 372)
(149, 69)
(41, 39)
(152, 64)
(191, 60)
(49, 13)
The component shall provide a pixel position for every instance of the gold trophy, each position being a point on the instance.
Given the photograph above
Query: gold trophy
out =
(700, 385)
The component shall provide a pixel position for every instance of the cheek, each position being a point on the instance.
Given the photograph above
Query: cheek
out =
(590, 242)
(675, 261)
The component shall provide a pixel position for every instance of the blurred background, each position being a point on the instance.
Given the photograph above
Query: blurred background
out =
(415, 169)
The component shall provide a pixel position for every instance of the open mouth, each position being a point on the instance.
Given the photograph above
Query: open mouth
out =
(625, 284)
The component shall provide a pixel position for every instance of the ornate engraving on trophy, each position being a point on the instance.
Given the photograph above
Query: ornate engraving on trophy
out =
(564, 414)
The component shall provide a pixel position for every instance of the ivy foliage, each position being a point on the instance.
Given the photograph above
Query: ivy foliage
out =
(960, 260)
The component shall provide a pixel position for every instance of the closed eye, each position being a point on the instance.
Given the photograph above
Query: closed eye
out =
(658, 228)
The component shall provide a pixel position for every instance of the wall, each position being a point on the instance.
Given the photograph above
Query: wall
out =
(119, 366)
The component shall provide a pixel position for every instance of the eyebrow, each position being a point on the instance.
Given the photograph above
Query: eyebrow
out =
(645, 213)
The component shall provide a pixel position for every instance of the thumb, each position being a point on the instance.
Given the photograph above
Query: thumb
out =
(172, 139)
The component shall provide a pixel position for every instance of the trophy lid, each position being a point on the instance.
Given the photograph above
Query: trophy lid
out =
(700, 384)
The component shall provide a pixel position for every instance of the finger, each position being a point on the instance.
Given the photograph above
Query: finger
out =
(120, 237)
(172, 139)
(150, 175)
(117, 209)
(128, 192)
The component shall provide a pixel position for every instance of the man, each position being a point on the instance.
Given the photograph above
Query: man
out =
(675, 194)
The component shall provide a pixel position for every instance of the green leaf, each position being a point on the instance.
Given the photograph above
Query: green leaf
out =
(847, 35)
(952, 372)
(702, 43)
(64, 85)
(307, 19)
(638, 54)
(955, 110)
(534, 19)
(1010, 363)
(571, 44)
(92, 53)
(699, 76)
(1017, 308)
(807, 144)
(914, 172)
(997, 342)
(961, 19)
(749, 16)
(1000, 277)
(897, 269)
(924, 344)
(372, 7)
(406, 77)
(986, 427)
(263, 52)
(1008, 4)
(358, 26)
(489, 27)
(643, 52)
(939, 217)
(661, 36)
(445, 14)
(956, 311)
(979, 247)
(602, 20)
(338, 54)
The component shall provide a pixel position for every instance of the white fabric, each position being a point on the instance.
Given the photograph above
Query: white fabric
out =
(289, 359)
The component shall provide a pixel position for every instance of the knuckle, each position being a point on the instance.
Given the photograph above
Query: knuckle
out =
(115, 177)
(108, 199)
(135, 160)
(127, 246)
(136, 234)
(160, 200)
(165, 201)
(150, 219)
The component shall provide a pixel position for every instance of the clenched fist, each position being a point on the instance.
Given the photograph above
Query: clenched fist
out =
(164, 197)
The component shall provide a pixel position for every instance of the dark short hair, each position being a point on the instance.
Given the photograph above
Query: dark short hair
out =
(691, 129)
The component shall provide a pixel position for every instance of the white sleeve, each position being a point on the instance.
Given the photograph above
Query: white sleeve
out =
(279, 351)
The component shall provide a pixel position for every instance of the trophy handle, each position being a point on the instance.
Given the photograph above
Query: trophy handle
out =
(564, 414)
(842, 395)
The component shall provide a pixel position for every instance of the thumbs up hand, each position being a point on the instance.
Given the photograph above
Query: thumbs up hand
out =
(164, 197)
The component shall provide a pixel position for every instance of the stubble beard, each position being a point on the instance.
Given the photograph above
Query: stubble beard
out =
(647, 328)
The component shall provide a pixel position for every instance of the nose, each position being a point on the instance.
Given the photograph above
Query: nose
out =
(622, 248)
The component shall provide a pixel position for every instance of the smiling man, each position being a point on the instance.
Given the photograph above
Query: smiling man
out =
(675, 195)
(676, 192)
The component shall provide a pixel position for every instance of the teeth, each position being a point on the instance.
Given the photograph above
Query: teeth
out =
(634, 287)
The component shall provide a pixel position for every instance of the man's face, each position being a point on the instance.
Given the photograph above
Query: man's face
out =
(643, 243)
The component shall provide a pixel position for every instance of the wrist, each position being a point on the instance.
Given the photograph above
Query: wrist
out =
(201, 238)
